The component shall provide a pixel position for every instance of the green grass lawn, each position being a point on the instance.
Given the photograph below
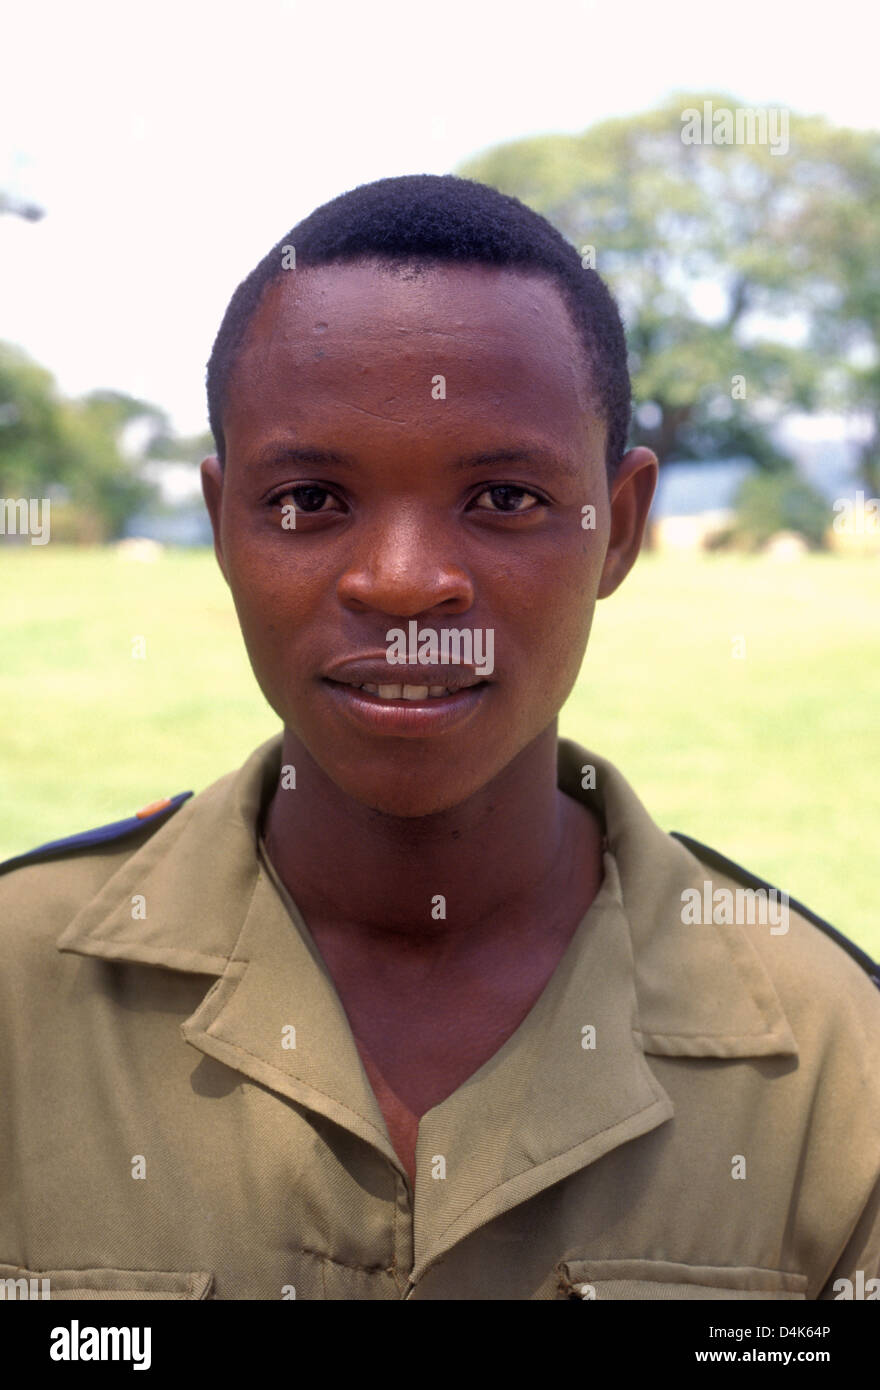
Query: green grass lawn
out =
(772, 758)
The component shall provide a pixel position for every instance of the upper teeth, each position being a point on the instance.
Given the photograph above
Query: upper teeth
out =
(406, 692)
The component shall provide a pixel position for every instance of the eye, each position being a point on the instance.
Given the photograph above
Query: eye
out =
(306, 498)
(508, 499)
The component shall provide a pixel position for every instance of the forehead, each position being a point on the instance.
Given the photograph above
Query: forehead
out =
(375, 336)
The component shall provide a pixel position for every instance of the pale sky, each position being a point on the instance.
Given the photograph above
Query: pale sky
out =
(172, 144)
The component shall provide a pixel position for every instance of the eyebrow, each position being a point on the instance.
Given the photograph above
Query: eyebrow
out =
(277, 455)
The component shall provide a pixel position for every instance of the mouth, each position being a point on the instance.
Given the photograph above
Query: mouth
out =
(404, 710)
(413, 693)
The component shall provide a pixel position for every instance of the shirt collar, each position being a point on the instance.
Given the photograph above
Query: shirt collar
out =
(182, 899)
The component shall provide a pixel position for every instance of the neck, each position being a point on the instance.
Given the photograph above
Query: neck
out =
(494, 858)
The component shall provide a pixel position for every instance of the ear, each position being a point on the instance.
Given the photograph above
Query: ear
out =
(212, 491)
(631, 496)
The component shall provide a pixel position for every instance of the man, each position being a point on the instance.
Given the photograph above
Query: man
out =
(421, 1003)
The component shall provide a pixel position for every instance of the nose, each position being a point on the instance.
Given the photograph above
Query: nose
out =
(406, 564)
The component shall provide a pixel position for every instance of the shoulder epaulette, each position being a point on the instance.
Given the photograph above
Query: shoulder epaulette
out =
(733, 870)
(153, 814)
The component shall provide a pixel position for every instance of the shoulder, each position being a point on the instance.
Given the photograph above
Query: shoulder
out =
(43, 888)
(149, 817)
(827, 985)
(744, 878)
(828, 989)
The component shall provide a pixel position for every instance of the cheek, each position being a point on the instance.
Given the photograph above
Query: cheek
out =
(273, 587)
(565, 585)
(272, 608)
(550, 624)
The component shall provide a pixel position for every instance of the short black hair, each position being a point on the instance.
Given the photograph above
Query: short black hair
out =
(432, 219)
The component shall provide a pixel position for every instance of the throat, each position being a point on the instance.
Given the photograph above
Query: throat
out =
(401, 1122)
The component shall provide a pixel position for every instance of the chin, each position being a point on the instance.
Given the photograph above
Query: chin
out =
(408, 795)
(409, 803)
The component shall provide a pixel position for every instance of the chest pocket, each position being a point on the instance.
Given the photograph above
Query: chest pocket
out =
(33, 1285)
(662, 1279)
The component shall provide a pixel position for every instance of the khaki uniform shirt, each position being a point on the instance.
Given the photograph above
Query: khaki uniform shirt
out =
(185, 1113)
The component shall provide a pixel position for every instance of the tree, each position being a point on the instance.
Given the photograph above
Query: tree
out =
(33, 452)
(711, 250)
(183, 448)
(770, 502)
(70, 450)
(839, 230)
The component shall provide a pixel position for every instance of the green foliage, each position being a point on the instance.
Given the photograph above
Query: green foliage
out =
(190, 448)
(33, 452)
(69, 450)
(782, 501)
(709, 250)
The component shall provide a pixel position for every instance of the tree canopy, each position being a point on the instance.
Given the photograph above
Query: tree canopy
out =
(747, 275)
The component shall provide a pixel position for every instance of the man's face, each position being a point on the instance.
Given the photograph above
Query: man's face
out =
(394, 388)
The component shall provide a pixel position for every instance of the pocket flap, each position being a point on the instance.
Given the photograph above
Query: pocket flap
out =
(663, 1279)
(30, 1284)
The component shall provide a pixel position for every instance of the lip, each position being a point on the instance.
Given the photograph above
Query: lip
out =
(376, 670)
(406, 718)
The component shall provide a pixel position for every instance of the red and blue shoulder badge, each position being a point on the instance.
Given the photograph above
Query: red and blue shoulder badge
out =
(152, 815)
